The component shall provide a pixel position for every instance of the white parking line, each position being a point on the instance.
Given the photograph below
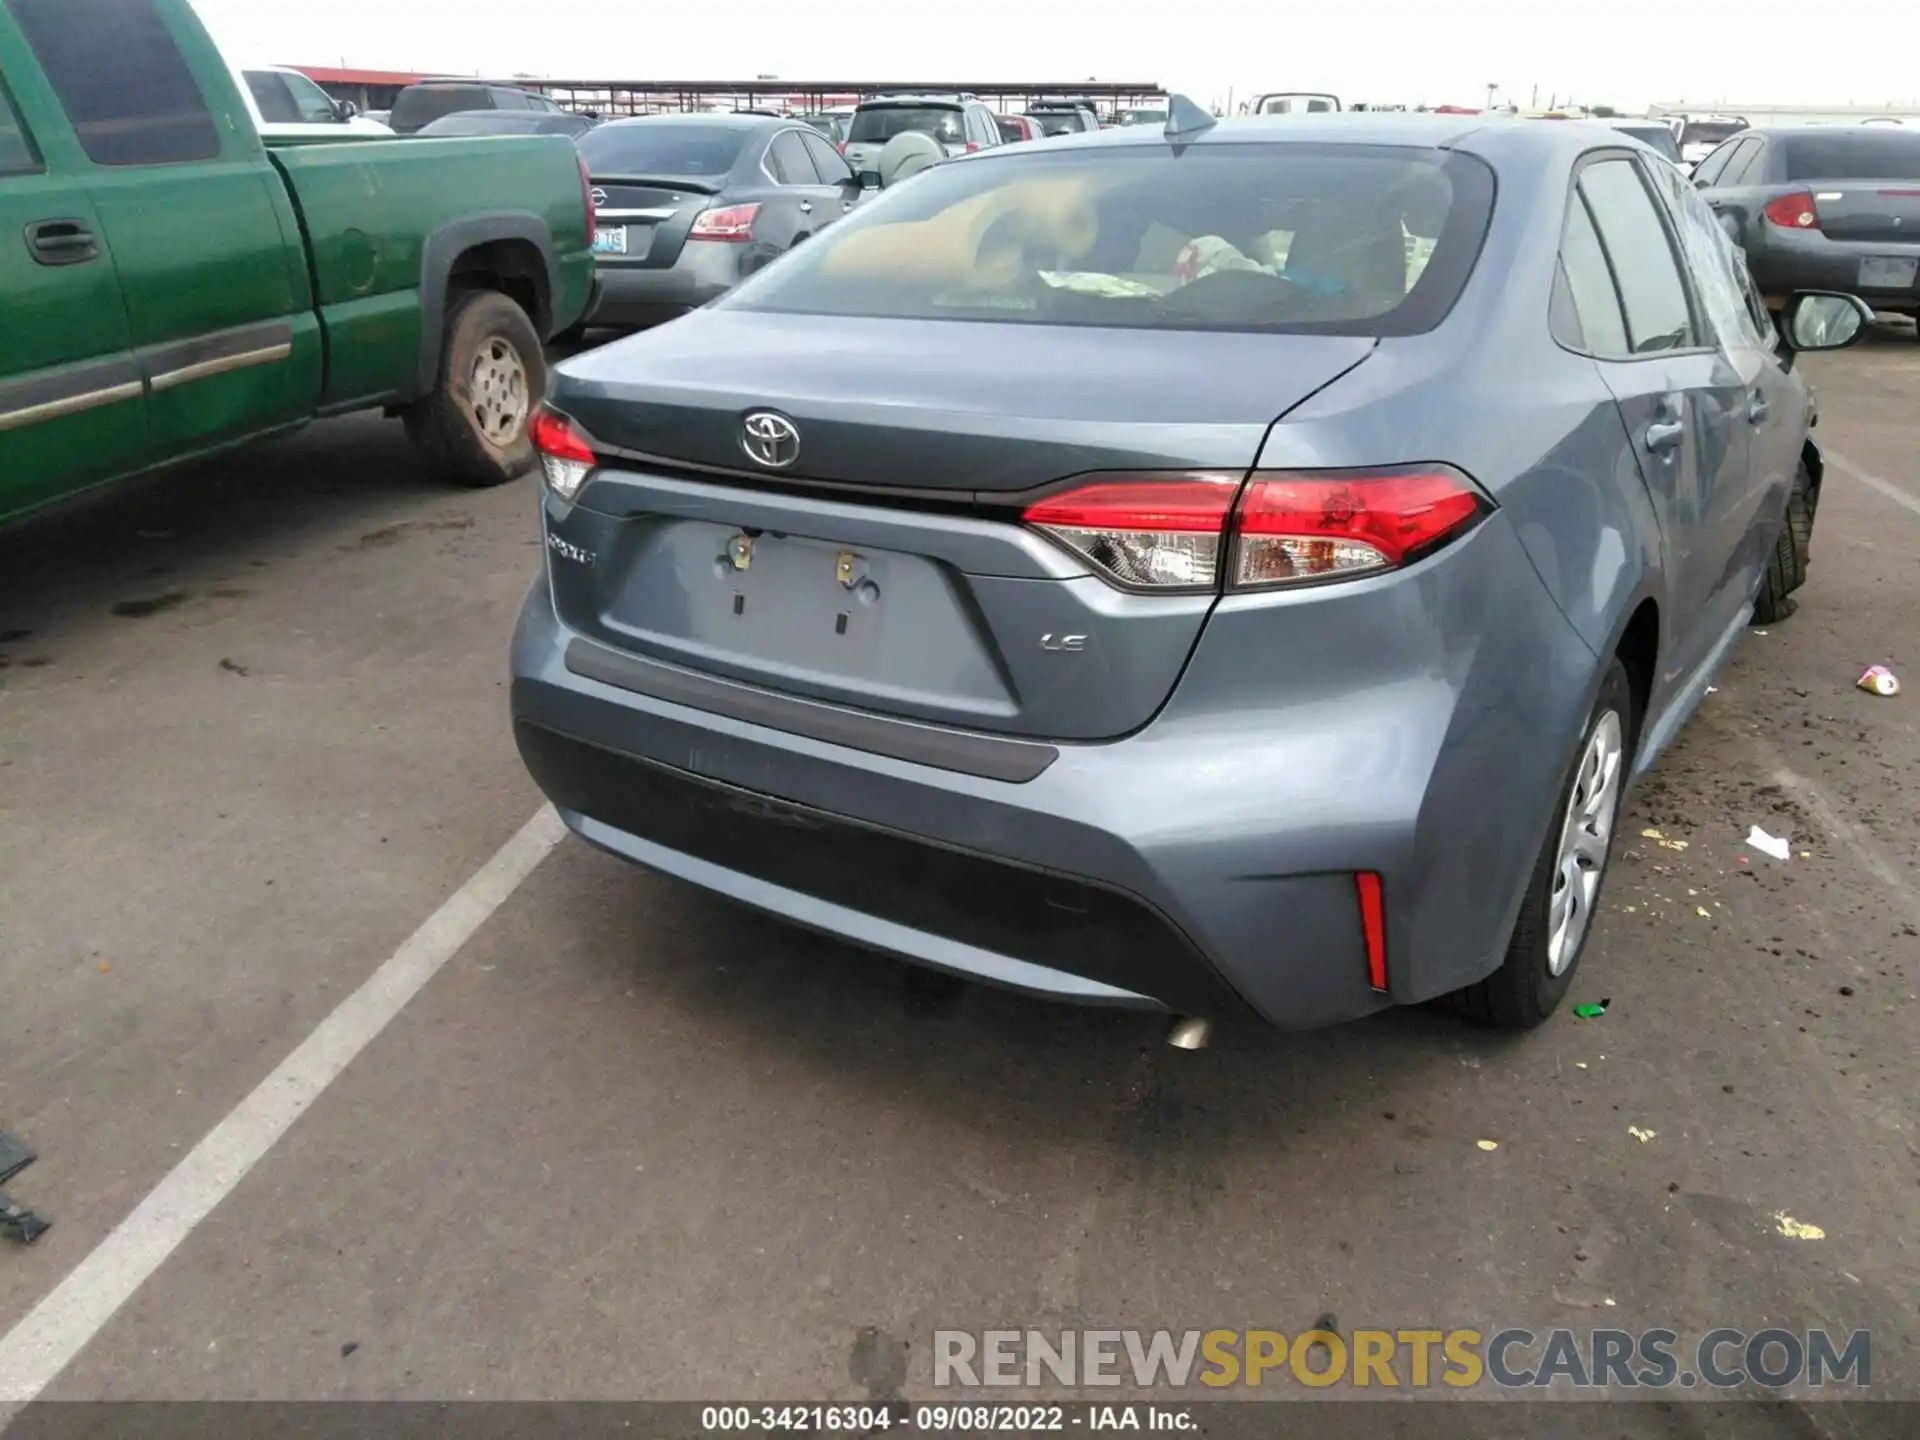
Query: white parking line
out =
(1873, 482)
(59, 1327)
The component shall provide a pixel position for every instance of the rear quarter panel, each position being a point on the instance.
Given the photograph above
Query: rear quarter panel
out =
(1491, 392)
(386, 220)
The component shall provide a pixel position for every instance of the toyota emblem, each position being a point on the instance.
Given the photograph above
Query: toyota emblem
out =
(770, 439)
(599, 197)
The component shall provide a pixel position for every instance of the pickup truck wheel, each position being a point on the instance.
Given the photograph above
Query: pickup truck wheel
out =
(472, 428)
(1556, 917)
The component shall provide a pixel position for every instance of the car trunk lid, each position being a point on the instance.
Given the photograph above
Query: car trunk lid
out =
(886, 569)
(643, 220)
(1882, 212)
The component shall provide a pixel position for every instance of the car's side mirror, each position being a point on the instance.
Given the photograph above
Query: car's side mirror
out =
(1823, 320)
(347, 110)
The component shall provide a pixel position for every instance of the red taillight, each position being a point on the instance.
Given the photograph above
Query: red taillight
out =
(1793, 212)
(565, 455)
(1172, 532)
(1326, 527)
(1373, 926)
(733, 224)
(1159, 532)
(586, 198)
(842, 147)
(972, 145)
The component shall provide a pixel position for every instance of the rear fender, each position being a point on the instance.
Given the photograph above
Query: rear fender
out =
(442, 254)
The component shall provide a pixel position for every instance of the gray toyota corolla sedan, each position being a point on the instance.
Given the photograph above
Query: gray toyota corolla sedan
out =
(1235, 571)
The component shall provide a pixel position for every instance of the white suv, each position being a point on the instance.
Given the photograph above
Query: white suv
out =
(959, 123)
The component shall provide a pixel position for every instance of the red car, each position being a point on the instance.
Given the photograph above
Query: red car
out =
(1019, 127)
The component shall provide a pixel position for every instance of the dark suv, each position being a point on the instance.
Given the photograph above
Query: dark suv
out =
(420, 105)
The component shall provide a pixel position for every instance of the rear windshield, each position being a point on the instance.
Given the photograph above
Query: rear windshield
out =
(415, 108)
(1875, 154)
(1658, 136)
(676, 147)
(1299, 238)
(1059, 122)
(1710, 132)
(880, 123)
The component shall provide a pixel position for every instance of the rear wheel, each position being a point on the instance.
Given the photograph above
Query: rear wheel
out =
(1787, 563)
(1556, 917)
(472, 427)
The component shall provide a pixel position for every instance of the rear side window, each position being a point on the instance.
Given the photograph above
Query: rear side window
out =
(1740, 168)
(1289, 238)
(121, 79)
(271, 95)
(787, 158)
(1709, 170)
(877, 124)
(1651, 290)
(314, 105)
(1876, 154)
(827, 160)
(1585, 284)
(17, 154)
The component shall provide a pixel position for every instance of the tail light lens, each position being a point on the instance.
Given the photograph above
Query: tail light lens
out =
(1295, 528)
(972, 145)
(733, 224)
(1153, 533)
(565, 456)
(1186, 532)
(1793, 212)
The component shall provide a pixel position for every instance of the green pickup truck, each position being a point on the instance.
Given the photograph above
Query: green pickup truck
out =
(170, 287)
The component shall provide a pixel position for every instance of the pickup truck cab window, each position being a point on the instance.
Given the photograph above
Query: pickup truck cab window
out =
(144, 108)
(17, 155)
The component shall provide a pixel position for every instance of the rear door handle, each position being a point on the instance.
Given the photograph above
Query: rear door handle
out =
(62, 242)
(1664, 435)
(1758, 410)
(806, 207)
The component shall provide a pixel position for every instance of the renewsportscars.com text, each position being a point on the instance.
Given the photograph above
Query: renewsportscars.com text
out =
(1510, 1358)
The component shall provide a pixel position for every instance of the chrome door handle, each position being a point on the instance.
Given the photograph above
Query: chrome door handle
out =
(1664, 435)
(806, 207)
(1758, 409)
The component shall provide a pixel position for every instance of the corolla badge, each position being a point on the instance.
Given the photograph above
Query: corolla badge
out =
(770, 439)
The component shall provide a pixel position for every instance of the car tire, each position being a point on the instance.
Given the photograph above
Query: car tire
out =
(1549, 937)
(1787, 562)
(472, 427)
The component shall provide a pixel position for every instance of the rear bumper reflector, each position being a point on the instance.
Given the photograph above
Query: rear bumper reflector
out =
(1373, 923)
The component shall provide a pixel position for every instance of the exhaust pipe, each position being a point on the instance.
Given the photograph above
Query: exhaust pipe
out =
(1188, 1032)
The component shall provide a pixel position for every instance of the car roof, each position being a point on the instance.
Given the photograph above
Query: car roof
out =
(718, 120)
(955, 101)
(1367, 128)
(1500, 140)
(1896, 134)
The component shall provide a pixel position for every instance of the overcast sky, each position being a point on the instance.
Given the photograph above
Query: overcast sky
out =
(1620, 52)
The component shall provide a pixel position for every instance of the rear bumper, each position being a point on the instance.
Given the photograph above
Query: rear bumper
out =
(1203, 865)
(1786, 262)
(633, 295)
